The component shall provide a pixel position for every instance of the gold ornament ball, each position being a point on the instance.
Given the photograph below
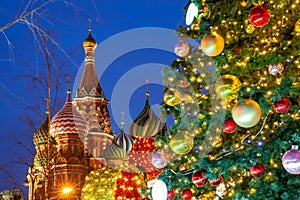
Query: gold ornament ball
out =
(212, 44)
(182, 143)
(250, 28)
(216, 141)
(246, 115)
(297, 26)
(186, 98)
(228, 86)
(171, 97)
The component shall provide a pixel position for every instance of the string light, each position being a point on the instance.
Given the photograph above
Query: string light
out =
(263, 46)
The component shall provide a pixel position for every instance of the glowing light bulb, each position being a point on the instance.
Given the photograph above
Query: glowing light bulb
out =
(67, 190)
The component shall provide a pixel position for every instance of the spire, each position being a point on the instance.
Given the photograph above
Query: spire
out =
(147, 90)
(114, 129)
(47, 108)
(69, 90)
(122, 122)
(90, 97)
(90, 85)
(89, 21)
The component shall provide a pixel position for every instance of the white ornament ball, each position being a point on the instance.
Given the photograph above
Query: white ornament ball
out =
(191, 14)
(159, 190)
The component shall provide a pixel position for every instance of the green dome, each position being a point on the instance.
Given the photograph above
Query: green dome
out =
(147, 124)
(114, 152)
(42, 134)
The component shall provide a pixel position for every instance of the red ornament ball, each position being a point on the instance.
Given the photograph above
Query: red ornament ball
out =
(198, 178)
(259, 16)
(282, 106)
(229, 126)
(183, 83)
(257, 170)
(171, 195)
(186, 194)
(216, 182)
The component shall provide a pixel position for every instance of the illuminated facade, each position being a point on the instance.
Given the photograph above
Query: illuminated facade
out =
(78, 142)
(71, 144)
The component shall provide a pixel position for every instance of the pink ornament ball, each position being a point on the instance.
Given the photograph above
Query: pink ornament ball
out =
(275, 69)
(160, 159)
(291, 160)
(181, 49)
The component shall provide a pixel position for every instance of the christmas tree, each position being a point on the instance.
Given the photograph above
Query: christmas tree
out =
(234, 100)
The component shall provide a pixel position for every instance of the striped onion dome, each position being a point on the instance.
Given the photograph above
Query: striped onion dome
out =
(114, 152)
(147, 124)
(68, 120)
(124, 141)
(41, 135)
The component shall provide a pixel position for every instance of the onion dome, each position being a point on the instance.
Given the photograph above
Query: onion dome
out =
(89, 41)
(42, 134)
(114, 152)
(147, 124)
(124, 141)
(68, 120)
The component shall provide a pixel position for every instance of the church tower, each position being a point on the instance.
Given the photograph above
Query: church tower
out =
(70, 163)
(61, 163)
(72, 143)
(92, 104)
(38, 172)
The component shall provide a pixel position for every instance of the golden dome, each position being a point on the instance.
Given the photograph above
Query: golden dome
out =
(89, 41)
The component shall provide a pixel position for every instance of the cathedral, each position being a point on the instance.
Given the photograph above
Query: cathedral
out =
(78, 140)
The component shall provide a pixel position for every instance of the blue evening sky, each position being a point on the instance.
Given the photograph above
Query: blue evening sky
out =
(67, 25)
